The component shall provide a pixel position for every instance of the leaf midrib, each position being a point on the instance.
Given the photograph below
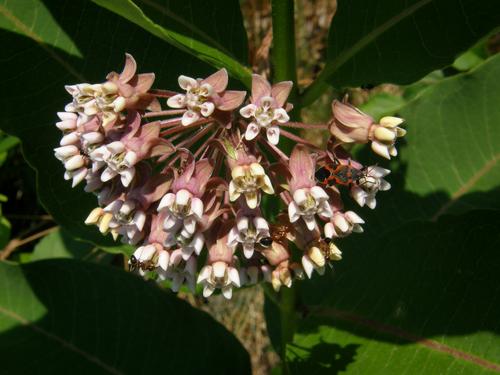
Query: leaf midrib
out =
(399, 333)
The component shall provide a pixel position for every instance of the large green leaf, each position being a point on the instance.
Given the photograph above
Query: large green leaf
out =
(32, 89)
(198, 27)
(450, 161)
(60, 244)
(420, 299)
(63, 316)
(376, 41)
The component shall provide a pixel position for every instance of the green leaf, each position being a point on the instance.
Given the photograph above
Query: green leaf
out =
(450, 161)
(198, 35)
(66, 314)
(420, 299)
(7, 142)
(60, 244)
(4, 231)
(36, 90)
(382, 104)
(377, 41)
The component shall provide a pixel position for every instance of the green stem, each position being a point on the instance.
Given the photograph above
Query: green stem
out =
(284, 69)
(283, 51)
(288, 319)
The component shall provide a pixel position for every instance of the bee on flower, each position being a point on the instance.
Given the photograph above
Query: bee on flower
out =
(190, 185)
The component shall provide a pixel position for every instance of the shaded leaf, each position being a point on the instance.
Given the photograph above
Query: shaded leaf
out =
(61, 314)
(421, 299)
(60, 244)
(194, 36)
(377, 41)
(450, 161)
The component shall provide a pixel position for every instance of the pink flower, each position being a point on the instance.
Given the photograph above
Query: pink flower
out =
(266, 108)
(350, 125)
(308, 199)
(204, 96)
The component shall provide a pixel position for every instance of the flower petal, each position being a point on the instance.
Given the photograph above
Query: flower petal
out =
(273, 135)
(252, 131)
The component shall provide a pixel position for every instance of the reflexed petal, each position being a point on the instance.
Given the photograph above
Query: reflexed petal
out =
(177, 101)
(189, 117)
(252, 131)
(273, 134)
(280, 92)
(108, 174)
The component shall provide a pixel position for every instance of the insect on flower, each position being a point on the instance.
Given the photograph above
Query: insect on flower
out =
(185, 186)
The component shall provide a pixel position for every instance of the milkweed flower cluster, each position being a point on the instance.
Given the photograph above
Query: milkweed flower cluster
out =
(182, 175)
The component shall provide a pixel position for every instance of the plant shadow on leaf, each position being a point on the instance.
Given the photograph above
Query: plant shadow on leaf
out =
(62, 314)
(323, 358)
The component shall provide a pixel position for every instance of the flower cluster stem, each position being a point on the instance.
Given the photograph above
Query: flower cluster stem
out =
(284, 68)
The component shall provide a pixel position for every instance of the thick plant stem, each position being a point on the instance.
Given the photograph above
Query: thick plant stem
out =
(284, 69)
(283, 50)
(287, 319)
